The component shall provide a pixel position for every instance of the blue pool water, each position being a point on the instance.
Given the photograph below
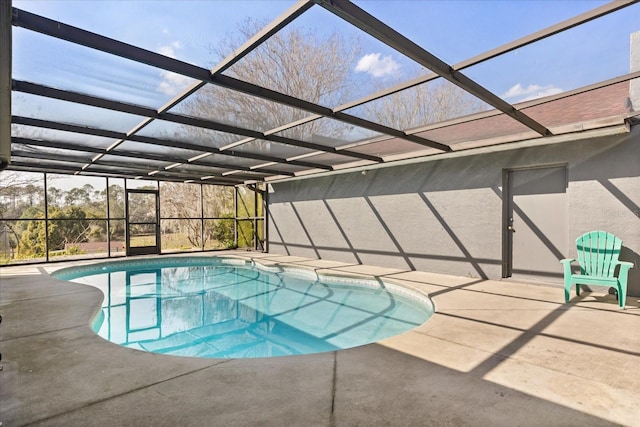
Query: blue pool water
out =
(230, 308)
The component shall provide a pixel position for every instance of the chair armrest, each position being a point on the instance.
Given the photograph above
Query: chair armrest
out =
(624, 267)
(567, 266)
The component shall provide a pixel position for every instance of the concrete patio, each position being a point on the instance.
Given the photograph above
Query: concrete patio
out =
(496, 353)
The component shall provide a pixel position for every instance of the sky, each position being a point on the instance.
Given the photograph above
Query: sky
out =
(451, 30)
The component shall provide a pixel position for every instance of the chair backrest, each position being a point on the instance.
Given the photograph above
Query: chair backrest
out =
(598, 253)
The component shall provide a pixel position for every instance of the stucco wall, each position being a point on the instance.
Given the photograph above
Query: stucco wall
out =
(446, 215)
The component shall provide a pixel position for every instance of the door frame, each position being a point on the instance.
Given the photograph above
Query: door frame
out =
(142, 250)
(507, 214)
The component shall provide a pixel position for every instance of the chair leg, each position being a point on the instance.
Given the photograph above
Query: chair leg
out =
(622, 295)
(577, 289)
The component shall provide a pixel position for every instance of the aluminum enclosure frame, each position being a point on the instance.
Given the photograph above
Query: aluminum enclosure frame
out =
(273, 167)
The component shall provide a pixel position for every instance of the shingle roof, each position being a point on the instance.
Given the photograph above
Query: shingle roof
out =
(568, 112)
(575, 109)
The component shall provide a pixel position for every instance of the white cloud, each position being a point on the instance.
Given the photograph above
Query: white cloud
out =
(172, 83)
(373, 64)
(530, 92)
(170, 49)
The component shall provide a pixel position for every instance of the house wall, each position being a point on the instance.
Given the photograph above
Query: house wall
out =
(446, 215)
(634, 65)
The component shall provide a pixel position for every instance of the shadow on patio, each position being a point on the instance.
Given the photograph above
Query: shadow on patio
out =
(495, 353)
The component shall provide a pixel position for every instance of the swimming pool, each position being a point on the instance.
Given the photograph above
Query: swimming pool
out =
(221, 307)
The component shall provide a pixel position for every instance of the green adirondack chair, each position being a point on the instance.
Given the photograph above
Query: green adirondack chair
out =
(598, 253)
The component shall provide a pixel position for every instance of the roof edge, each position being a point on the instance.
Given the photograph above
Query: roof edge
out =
(589, 131)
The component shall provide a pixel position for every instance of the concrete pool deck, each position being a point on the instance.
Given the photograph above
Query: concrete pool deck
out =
(495, 353)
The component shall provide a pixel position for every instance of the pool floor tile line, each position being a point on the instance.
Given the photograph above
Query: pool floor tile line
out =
(495, 353)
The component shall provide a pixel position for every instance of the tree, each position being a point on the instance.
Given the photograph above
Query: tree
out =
(20, 191)
(223, 231)
(9, 239)
(142, 207)
(425, 104)
(31, 192)
(116, 210)
(32, 240)
(297, 62)
(54, 197)
(218, 201)
(79, 196)
(246, 203)
(116, 200)
(182, 203)
(29, 213)
(65, 226)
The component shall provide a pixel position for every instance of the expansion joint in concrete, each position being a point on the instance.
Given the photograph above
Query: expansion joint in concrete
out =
(115, 396)
(333, 389)
(36, 334)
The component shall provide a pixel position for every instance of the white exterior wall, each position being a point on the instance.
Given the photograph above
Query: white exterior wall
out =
(446, 215)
